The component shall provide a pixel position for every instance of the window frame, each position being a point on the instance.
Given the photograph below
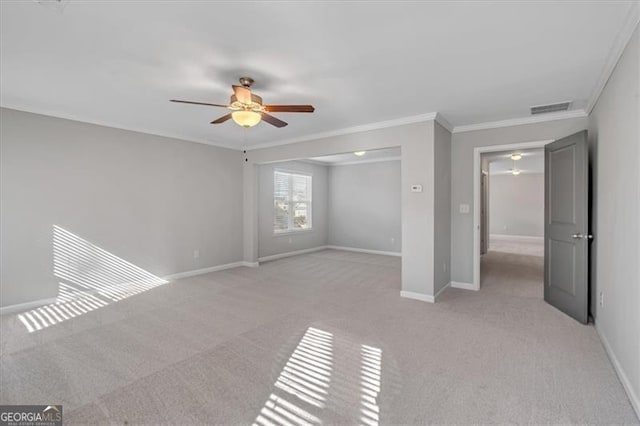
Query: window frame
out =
(309, 202)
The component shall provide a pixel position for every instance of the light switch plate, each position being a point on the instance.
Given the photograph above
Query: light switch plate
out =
(464, 208)
(416, 188)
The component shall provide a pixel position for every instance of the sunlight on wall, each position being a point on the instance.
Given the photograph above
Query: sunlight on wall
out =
(93, 278)
(324, 373)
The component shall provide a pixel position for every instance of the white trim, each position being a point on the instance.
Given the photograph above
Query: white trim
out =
(290, 253)
(19, 307)
(444, 122)
(476, 195)
(442, 290)
(620, 43)
(626, 383)
(361, 250)
(417, 296)
(540, 118)
(72, 117)
(349, 130)
(250, 264)
(506, 237)
(202, 271)
(463, 286)
(371, 160)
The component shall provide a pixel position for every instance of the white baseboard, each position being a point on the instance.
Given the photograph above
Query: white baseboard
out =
(506, 237)
(250, 264)
(417, 296)
(359, 250)
(19, 307)
(626, 383)
(441, 290)
(464, 286)
(4, 310)
(290, 253)
(195, 272)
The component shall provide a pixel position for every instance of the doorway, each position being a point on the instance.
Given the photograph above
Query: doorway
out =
(512, 222)
(481, 233)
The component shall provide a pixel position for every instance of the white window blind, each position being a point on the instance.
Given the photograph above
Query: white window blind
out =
(291, 201)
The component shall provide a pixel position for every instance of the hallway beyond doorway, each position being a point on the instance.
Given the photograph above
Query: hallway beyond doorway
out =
(512, 274)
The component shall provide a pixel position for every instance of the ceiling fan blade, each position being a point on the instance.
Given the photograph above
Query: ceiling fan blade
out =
(197, 103)
(289, 108)
(221, 119)
(272, 120)
(243, 94)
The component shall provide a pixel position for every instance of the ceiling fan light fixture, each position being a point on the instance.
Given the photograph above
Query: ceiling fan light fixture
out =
(359, 153)
(246, 118)
(516, 156)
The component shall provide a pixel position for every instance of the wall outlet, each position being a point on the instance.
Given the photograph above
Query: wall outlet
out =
(393, 240)
(196, 254)
(601, 298)
(464, 208)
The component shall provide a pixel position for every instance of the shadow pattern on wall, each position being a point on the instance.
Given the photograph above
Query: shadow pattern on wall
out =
(91, 278)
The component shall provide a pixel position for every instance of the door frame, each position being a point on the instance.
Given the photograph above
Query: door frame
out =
(477, 153)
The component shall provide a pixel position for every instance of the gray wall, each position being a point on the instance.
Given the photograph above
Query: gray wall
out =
(364, 206)
(270, 244)
(147, 199)
(615, 134)
(442, 194)
(416, 141)
(462, 147)
(516, 204)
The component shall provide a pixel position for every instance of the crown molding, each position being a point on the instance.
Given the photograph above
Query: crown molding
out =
(578, 113)
(72, 117)
(444, 122)
(620, 43)
(349, 130)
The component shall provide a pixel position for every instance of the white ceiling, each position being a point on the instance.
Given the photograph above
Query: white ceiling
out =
(118, 63)
(386, 154)
(532, 161)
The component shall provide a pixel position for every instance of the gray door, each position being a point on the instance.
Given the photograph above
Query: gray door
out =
(566, 220)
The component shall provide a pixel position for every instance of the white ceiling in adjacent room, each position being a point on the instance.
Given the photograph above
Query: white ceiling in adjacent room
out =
(118, 63)
(386, 154)
(532, 161)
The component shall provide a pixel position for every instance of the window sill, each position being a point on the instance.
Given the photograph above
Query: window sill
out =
(292, 232)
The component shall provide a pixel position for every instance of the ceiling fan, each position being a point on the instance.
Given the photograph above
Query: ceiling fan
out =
(247, 109)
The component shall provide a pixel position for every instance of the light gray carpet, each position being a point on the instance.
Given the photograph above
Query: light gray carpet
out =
(319, 338)
(517, 246)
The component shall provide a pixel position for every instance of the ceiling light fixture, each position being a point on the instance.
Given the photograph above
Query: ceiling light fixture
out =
(516, 157)
(360, 153)
(246, 118)
(516, 172)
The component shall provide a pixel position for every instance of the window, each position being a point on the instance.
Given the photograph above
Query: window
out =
(291, 202)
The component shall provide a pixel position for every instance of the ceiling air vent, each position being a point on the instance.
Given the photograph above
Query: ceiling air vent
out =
(543, 109)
